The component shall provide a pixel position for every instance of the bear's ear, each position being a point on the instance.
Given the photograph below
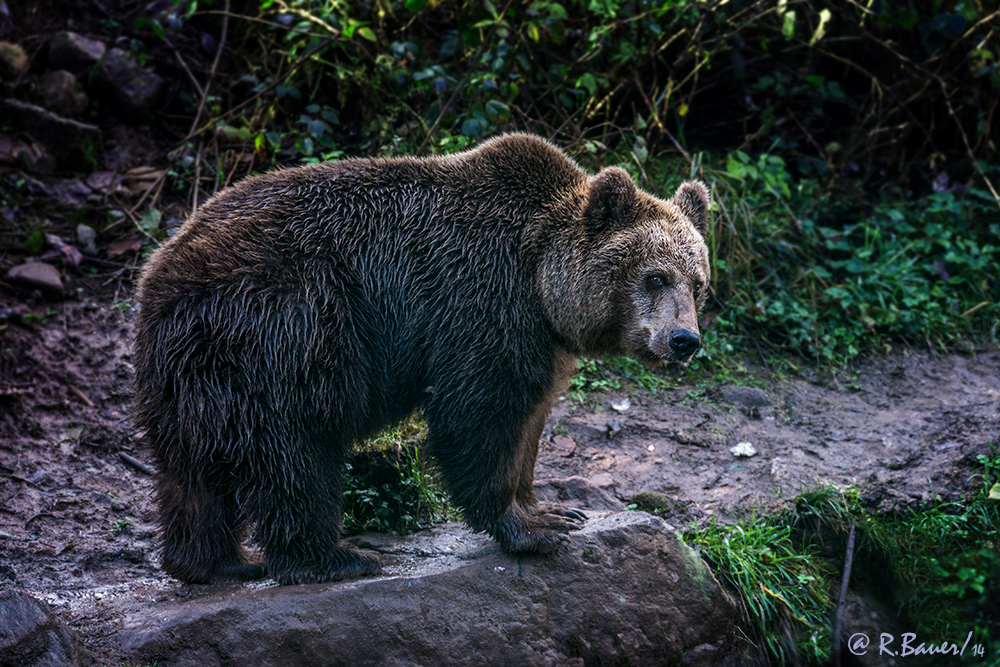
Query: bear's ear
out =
(692, 199)
(612, 201)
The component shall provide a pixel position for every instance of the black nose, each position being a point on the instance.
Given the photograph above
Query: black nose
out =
(684, 343)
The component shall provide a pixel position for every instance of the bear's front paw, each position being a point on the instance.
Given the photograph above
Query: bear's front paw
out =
(572, 516)
(541, 530)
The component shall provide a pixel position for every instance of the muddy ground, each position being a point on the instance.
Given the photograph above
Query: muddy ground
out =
(77, 523)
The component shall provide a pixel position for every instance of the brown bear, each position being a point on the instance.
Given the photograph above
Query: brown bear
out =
(305, 308)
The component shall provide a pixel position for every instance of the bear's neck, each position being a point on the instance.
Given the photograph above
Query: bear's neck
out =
(577, 297)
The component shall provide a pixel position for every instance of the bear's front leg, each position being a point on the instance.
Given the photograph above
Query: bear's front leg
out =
(486, 455)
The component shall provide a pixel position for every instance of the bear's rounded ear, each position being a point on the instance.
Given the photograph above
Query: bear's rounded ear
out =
(611, 201)
(692, 199)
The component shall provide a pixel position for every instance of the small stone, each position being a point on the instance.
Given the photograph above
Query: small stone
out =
(750, 397)
(622, 405)
(743, 450)
(38, 275)
(105, 182)
(564, 446)
(131, 88)
(86, 237)
(13, 59)
(61, 92)
(73, 52)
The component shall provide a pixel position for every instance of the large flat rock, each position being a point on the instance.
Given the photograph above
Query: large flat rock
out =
(625, 589)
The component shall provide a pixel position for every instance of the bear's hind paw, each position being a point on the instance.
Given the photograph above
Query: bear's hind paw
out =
(343, 563)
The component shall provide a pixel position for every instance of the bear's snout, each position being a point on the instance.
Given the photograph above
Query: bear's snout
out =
(684, 343)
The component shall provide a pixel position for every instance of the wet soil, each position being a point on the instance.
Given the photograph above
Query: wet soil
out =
(77, 521)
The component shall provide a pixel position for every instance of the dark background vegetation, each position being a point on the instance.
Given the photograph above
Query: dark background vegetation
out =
(851, 148)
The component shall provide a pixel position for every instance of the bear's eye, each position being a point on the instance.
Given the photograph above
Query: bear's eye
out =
(654, 283)
(697, 289)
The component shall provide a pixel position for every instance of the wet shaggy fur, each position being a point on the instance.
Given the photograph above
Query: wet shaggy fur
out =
(303, 309)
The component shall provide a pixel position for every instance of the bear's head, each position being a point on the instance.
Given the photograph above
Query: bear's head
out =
(650, 266)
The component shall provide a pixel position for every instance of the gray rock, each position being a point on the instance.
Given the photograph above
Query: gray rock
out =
(60, 92)
(37, 275)
(31, 635)
(74, 53)
(577, 492)
(87, 237)
(75, 145)
(125, 85)
(624, 589)
(749, 397)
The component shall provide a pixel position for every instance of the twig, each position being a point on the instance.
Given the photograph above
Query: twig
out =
(271, 86)
(556, 132)
(663, 128)
(197, 179)
(180, 59)
(211, 74)
(41, 515)
(82, 396)
(137, 464)
(951, 112)
(838, 623)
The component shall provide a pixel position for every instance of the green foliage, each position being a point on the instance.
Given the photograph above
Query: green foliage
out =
(592, 377)
(937, 564)
(800, 269)
(595, 376)
(123, 526)
(784, 586)
(852, 158)
(813, 82)
(389, 486)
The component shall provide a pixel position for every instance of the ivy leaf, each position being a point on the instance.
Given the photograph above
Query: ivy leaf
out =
(497, 111)
(149, 223)
(415, 5)
(316, 128)
(472, 127)
(587, 81)
(368, 34)
(788, 27)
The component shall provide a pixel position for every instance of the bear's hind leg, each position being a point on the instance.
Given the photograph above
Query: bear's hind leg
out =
(202, 529)
(299, 522)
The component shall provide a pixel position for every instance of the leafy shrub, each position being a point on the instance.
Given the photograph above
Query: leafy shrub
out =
(390, 488)
(848, 144)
